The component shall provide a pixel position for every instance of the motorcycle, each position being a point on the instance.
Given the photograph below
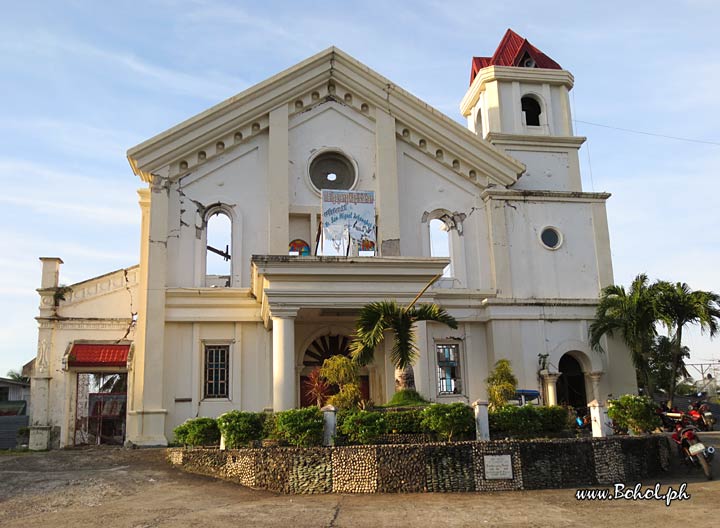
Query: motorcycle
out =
(701, 416)
(693, 451)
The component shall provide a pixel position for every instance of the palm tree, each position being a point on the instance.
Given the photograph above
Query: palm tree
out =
(660, 362)
(375, 318)
(16, 375)
(677, 306)
(632, 315)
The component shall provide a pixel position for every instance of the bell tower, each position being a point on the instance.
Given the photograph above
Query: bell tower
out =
(518, 100)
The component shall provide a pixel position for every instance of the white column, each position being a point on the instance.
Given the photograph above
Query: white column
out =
(550, 379)
(283, 331)
(595, 379)
(482, 420)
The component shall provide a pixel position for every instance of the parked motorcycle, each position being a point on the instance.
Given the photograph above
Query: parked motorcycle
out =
(693, 451)
(701, 416)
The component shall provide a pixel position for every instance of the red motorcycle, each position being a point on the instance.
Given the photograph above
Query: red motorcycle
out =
(700, 416)
(693, 450)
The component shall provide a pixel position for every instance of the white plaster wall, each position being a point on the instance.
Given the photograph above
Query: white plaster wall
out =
(250, 366)
(546, 171)
(425, 185)
(237, 179)
(328, 126)
(568, 272)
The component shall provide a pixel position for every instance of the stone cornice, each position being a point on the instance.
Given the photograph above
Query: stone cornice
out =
(534, 142)
(543, 196)
(80, 323)
(508, 73)
(248, 111)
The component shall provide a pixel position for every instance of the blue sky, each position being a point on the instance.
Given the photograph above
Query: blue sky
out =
(82, 82)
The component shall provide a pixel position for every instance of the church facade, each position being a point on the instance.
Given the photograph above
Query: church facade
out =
(239, 293)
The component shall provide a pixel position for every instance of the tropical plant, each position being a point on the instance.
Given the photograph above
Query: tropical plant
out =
(679, 306)
(406, 398)
(316, 387)
(660, 363)
(16, 375)
(342, 372)
(501, 384)
(377, 318)
(636, 413)
(631, 315)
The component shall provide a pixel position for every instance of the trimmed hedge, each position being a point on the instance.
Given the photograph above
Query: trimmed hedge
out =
(198, 432)
(300, 427)
(449, 420)
(363, 427)
(241, 428)
(528, 420)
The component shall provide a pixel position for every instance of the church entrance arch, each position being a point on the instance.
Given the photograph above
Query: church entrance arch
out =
(571, 383)
(317, 352)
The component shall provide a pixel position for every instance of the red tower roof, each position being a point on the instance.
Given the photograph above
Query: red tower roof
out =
(510, 52)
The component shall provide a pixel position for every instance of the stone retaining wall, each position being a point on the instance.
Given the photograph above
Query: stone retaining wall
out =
(436, 467)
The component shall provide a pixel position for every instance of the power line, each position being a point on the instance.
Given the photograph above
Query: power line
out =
(677, 138)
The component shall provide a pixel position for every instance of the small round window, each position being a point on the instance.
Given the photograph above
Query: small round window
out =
(551, 238)
(332, 170)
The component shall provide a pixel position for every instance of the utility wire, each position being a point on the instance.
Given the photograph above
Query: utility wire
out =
(717, 144)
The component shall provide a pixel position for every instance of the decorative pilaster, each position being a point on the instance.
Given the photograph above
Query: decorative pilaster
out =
(146, 415)
(283, 332)
(387, 199)
(277, 182)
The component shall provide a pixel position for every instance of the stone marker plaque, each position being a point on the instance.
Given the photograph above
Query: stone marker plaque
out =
(498, 467)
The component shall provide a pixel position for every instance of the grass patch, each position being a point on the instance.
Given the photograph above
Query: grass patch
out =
(406, 398)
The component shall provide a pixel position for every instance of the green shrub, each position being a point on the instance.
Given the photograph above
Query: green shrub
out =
(406, 398)
(348, 397)
(240, 428)
(299, 427)
(636, 413)
(198, 432)
(363, 427)
(449, 420)
(528, 420)
(404, 422)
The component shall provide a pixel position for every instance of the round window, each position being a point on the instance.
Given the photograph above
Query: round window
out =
(551, 238)
(332, 170)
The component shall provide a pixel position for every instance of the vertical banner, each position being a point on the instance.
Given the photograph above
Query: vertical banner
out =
(348, 219)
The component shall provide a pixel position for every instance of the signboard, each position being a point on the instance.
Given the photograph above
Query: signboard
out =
(498, 467)
(348, 217)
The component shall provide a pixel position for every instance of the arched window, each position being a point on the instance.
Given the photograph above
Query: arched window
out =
(218, 257)
(440, 242)
(531, 110)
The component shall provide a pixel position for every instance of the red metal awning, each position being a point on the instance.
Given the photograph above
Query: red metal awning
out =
(98, 355)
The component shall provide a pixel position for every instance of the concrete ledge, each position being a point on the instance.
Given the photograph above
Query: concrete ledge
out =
(434, 467)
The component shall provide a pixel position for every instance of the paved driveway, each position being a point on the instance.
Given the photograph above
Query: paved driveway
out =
(109, 487)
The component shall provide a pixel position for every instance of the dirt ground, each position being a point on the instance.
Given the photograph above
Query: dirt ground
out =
(115, 487)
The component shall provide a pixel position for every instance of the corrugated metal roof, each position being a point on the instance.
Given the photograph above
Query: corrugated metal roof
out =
(98, 355)
(510, 52)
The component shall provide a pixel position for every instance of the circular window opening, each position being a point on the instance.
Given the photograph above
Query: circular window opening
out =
(332, 170)
(551, 238)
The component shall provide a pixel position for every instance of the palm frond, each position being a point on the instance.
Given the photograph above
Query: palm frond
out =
(432, 312)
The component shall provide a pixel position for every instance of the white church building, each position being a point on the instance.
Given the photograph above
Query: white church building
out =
(240, 291)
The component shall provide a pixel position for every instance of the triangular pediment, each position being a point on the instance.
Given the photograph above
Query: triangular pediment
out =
(331, 75)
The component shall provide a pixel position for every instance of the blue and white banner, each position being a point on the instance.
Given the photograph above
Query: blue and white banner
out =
(349, 216)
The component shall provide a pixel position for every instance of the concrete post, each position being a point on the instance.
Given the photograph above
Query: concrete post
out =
(283, 360)
(482, 422)
(329, 425)
(599, 419)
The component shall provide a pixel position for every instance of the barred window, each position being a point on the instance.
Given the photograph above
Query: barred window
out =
(448, 368)
(216, 371)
